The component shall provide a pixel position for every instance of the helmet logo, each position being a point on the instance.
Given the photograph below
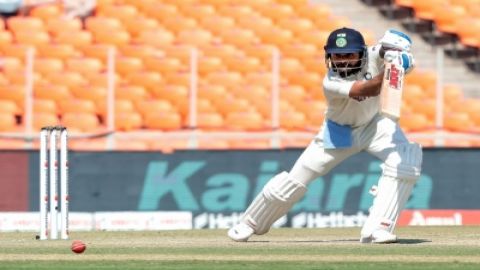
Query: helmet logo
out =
(341, 41)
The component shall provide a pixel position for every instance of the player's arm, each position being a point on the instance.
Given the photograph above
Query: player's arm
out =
(367, 88)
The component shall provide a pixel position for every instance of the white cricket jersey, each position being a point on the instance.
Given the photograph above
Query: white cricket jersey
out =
(345, 110)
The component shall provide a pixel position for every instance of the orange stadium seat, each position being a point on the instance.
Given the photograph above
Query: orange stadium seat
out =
(16, 77)
(179, 23)
(258, 24)
(414, 122)
(296, 25)
(412, 93)
(244, 120)
(154, 106)
(44, 106)
(308, 80)
(126, 65)
(7, 121)
(208, 65)
(446, 17)
(67, 78)
(232, 104)
(276, 11)
(259, 79)
(459, 122)
(314, 110)
(102, 79)
(116, 38)
(291, 67)
(159, 11)
(127, 121)
(119, 106)
(293, 120)
(164, 65)
(239, 37)
(15, 93)
(467, 31)
(251, 92)
(217, 24)
(15, 50)
(294, 94)
(194, 37)
(179, 79)
(120, 12)
(198, 11)
(205, 106)
(43, 119)
(75, 38)
(25, 24)
(314, 11)
(227, 79)
(58, 25)
(131, 92)
(236, 11)
(156, 38)
(173, 93)
(424, 9)
(277, 36)
(148, 79)
(139, 24)
(90, 92)
(426, 107)
(210, 121)
(84, 66)
(98, 51)
(263, 52)
(214, 93)
(60, 51)
(47, 66)
(5, 38)
(221, 51)
(301, 51)
(9, 106)
(244, 64)
(54, 92)
(45, 12)
(109, 25)
(139, 51)
(81, 122)
(12, 64)
(75, 105)
(163, 121)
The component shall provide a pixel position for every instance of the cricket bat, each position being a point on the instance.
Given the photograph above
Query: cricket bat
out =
(392, 89)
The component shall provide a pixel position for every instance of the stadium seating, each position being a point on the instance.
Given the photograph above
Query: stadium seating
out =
(235, 42)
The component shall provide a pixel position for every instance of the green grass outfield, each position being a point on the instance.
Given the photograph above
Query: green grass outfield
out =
(418, 248)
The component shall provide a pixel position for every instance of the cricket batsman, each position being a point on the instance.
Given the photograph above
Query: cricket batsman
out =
(353, 123)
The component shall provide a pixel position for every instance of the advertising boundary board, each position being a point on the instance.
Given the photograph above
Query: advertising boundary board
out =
(216, 186)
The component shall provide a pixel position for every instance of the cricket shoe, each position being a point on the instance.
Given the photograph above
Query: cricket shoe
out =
(240, 232)
(379, 237)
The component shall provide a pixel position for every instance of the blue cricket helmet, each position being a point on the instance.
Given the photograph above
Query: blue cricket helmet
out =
(345, 40)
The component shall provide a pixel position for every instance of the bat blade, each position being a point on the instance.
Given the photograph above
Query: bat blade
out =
(392, 90)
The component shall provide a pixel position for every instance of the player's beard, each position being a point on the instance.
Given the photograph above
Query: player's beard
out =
(345, 68)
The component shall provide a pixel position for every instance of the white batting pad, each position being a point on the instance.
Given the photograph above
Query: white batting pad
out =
(276, 199)
(400, 172)
(405, 162)
(392, 194)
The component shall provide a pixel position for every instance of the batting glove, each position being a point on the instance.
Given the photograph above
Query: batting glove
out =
(401, 58)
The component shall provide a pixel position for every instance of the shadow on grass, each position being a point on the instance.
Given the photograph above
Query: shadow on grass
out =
(413, 241)
(400, 241)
